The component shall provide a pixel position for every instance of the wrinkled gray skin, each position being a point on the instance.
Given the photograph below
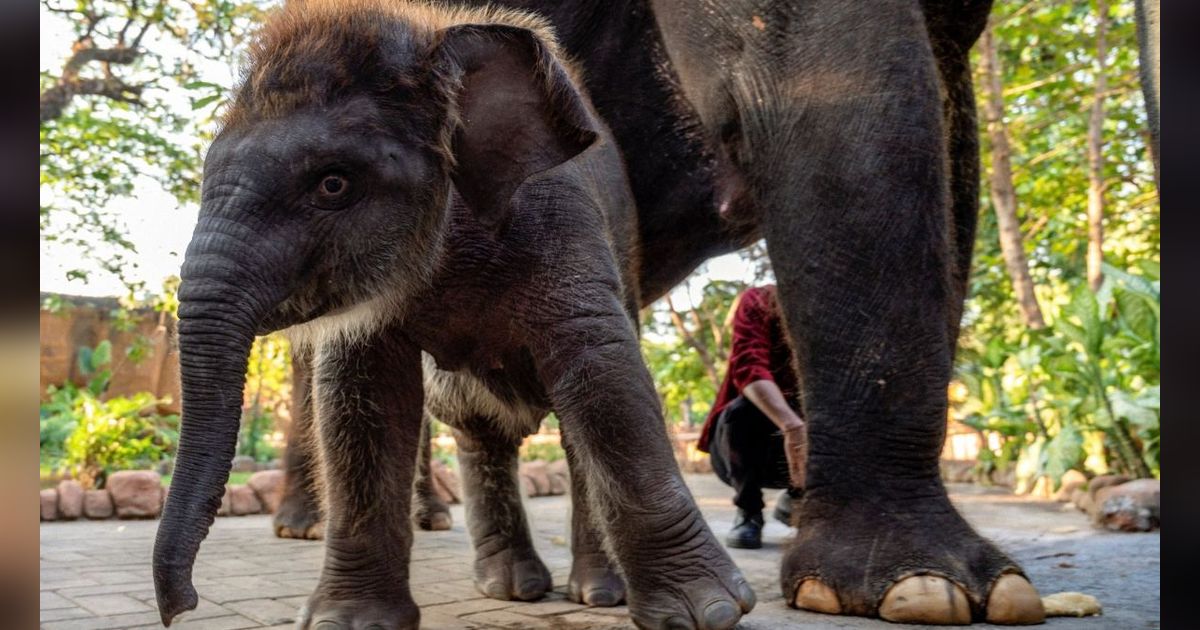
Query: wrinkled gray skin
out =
(845, 134)
(299, 512)
(336, 211)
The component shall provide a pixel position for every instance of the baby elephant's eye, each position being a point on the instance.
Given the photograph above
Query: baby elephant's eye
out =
(333, 186)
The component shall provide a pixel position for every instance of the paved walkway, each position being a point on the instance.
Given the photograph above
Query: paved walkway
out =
(97, 574)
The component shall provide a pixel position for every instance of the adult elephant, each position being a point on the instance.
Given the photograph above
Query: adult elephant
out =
(845, 134)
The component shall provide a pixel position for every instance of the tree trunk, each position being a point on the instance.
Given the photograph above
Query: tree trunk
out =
(1004, 196)
(1147, 30)
(690, 339)
(1095, 150)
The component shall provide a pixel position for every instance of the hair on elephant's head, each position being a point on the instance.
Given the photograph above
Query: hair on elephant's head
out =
(325, 198)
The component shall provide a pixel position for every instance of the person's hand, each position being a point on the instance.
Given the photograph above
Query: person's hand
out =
(795, 446)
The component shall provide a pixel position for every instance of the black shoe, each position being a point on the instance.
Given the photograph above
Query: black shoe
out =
(746, 532)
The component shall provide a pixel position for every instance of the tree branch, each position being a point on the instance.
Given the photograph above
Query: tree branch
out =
(55, 99)
(691, 340)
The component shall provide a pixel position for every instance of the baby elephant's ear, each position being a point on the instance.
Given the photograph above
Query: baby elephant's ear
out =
(520, 114)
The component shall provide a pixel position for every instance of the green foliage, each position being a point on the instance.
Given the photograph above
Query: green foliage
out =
(116, 434)
(1094, 371)
(94, 436)
(1083, 392)
(684, 381)
(110, 120)
(254, 438)
(546, 451)
(268, 388)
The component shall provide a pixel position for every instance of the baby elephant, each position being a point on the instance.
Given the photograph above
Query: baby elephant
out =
(400, 184)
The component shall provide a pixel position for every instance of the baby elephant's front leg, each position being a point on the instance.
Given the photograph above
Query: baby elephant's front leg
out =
(677, 574)
(368, 402)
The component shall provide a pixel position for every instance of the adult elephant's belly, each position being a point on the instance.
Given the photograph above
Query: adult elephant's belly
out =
(462, 399)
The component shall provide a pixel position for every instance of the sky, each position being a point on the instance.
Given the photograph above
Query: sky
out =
(155, 222)
(160, 227)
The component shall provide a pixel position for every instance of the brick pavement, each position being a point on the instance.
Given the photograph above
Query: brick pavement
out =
(96, 575)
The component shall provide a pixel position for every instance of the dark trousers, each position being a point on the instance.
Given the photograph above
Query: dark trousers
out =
(746, 451)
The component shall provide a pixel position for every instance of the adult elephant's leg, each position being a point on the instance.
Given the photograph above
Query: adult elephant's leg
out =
(368, 399)
(677, 575)
(430, 513)
(506, 564)
(299, 513)
(857, 231)
(594, 578)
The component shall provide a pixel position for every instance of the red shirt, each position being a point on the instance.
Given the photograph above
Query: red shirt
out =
(760, 352)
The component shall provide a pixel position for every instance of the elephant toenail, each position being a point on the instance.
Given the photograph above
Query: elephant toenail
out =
(926, 599)
(601, 597)
(677, 623)
(721, 615)
(1014, 601)
(530, 589)
(746, 595)
(327, 625)
(812, 594)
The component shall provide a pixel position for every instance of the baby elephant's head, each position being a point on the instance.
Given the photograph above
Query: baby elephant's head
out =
(325, 196)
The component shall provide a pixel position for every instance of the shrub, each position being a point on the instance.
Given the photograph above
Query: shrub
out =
(1082, 393)
(117, 434)
(92, 436)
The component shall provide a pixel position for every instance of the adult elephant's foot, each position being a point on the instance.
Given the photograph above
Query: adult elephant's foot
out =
(914, 562)
(692, 586)
(323, 612)
(298, 518)
(509, 573)
(594, 581)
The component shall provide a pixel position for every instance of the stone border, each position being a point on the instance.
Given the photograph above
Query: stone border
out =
(540, 478)
(139, 494)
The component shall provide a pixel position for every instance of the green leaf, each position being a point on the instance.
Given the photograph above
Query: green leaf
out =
(1150, 268)
(1063, 452)
(202, 102)
(103, 354)
(83, 361)
(1081, 320)
(1131, 282)
(1136, 410)
(1104, 295)
(1138, 313)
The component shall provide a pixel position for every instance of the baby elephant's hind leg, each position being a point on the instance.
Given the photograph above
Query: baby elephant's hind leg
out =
(299, 512)
(430, 513)
(506, 565)
(594, 579)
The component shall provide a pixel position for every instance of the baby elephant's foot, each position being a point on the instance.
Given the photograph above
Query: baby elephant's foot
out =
(594, 581)
(432, 515)
(929, 567)
(691, 585)
(296, 519)
(363, 614)
(512, 574)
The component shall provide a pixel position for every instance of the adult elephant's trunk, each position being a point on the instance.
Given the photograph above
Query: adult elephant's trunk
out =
(218, 316)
